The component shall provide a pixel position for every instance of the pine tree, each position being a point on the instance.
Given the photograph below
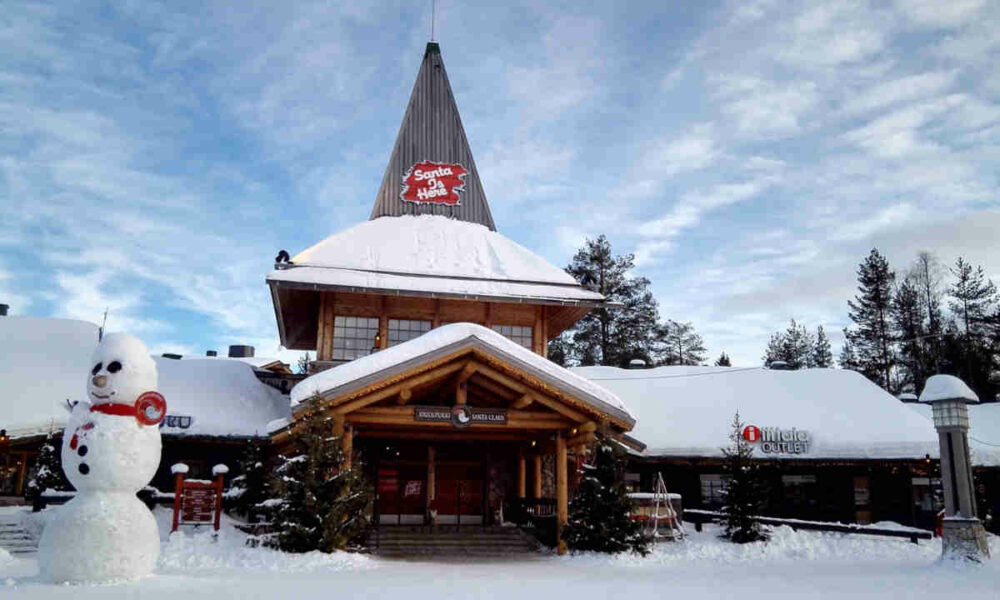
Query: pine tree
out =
(871, 312)
(744, 489)
(319, 505)
(848, 358)
(723, 361)
(47, 474)
(973, 354)
(926, 275)
(679, 344)
(794, 347)
(974, 298)
(822, 356)
(302, 365)
(599, 512)
(249, 489)
(611, 336)
(908, 329)
(560, 348)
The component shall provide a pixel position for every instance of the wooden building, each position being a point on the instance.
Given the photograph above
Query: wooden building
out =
(430, 330)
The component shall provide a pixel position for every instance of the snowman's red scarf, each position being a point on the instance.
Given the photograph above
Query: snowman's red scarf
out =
(112, 408)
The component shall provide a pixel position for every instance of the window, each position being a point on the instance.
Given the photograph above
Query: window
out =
(401, 330)
(353, 337)
(517, 334)
(713, 490)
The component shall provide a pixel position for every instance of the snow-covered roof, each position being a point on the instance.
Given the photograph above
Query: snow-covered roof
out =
(44, 362)
(984, 431)
(431, 254)
(223, 397)
(449, 338)
(688, 411)
(947, 387)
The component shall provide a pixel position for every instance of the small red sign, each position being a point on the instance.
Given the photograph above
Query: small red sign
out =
(751, 433)
(429, 182)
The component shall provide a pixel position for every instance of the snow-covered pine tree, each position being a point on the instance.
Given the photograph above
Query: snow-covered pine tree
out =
(794, 347)
(744, 489)
(871, 312)
(599, 511)
(822, 356)
(723, 361)
(249, 489)
(47, 474)
(317, 504)
(848, 358)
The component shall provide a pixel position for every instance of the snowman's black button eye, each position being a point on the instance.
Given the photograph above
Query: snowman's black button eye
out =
(96, 368)
(114, 367)
(82, 451)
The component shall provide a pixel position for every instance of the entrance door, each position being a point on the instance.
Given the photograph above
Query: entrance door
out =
(459, 494)
(401, 494)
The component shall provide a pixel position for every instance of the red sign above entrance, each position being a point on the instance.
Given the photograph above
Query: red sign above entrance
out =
(429, 182)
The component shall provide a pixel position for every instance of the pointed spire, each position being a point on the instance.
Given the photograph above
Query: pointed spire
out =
(431, 170)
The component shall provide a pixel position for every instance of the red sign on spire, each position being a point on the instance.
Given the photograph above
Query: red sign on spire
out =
(433, 183)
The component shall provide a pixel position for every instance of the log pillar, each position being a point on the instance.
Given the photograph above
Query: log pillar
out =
(347, 446)
(521, 475)
(431, 474)
(537, 460)
(562, 490)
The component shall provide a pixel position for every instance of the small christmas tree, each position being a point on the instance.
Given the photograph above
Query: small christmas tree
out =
(599, 512)
(744, 489)
(249, 489)
(318, 505)
(47, 474)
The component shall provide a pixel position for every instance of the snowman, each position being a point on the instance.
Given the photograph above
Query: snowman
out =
(110, 451)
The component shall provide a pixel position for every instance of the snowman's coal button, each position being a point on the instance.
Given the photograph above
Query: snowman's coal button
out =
(82, 451)
(84, 468)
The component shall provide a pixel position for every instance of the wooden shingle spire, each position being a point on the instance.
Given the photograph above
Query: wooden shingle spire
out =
(431, 164)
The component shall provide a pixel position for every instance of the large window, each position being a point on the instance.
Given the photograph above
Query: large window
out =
(517, 334)
(401, 330)
(353, 337)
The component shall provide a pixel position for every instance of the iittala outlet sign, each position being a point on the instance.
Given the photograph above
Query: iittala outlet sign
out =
(773, 440)
(429, 182)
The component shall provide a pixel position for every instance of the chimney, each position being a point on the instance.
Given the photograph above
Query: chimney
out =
(3, 309)
(211, 353)
(171, 356)
(240, 351)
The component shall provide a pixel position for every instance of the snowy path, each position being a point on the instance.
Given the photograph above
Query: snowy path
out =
(792, 565)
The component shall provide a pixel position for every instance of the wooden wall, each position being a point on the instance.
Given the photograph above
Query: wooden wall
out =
(438, 312)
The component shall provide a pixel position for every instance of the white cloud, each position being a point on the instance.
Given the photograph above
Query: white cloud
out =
(762, 108)
(669, 156)
(892, 92)
(934, 13)
(897, 135)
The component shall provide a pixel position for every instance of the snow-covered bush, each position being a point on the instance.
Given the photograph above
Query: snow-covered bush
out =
(47, 474)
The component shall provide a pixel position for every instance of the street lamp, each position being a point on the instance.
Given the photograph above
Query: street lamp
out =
(962, 533)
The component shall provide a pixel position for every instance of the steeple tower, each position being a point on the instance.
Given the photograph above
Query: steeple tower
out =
(431, 169)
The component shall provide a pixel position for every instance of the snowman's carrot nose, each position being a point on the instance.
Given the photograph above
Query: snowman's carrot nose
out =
(100, 381)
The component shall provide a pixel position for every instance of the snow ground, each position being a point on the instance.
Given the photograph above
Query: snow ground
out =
(792, 565)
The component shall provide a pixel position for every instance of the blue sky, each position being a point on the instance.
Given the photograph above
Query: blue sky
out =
(154, 157)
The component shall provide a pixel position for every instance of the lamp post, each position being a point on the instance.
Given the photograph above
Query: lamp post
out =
(962, 534)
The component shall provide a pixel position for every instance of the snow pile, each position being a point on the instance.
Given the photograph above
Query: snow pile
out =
(947, 387)
(43, 362)
(447, 339)
(199, 553)
(431, 254)
(687, 411)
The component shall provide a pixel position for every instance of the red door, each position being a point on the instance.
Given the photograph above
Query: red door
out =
(459, 493)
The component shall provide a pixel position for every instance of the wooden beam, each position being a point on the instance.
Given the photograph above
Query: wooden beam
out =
(523, 401)
(431, 474)
(521, 475)
(461, 393)
(542, 398)
(392, 390)
(443, 435)
(347, 446)
(404, 396)
(586, 437)
(468, 371)
(562, 491)
(494, 388)
(513, 422)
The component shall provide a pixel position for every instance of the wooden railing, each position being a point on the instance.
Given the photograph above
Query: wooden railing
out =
(698, 517)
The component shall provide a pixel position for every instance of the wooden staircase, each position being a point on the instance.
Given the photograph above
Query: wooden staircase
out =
(452, 542)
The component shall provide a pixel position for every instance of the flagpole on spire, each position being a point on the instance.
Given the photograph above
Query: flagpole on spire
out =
(433, 17)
